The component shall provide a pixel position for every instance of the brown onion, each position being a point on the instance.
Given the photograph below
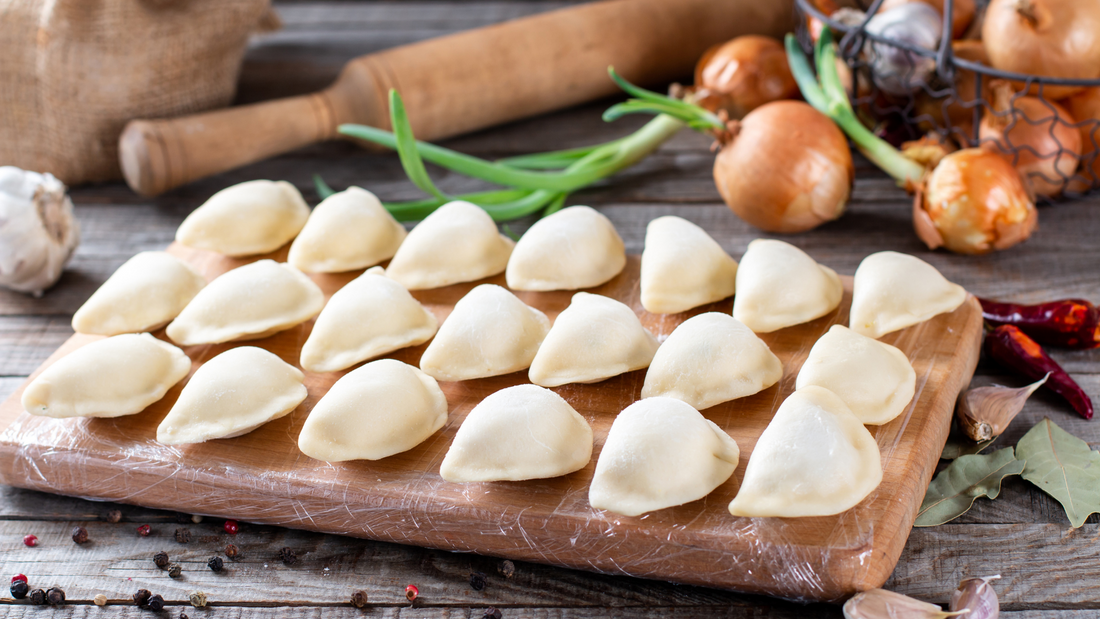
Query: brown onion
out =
(1047, 146)
(786, 169)
(742, 74)
(973, 202)
(1053, 38)
(1085, 108)
(962, 12)
(958, 114)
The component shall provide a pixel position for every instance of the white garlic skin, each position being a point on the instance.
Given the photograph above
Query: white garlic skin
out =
(38, 232)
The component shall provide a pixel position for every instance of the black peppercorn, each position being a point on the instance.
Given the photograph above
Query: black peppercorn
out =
(38, 597)
(114, 516)
(183, 535)
(288, 556)
(80, 535)
(141, 598)
(183, 615)
(215, 564)
(55, 596)
(155, 603)
(175, 570)
(359, 599)
(19, 589)
(507, 569)
(161, 559)
(232, 552)
(492, 613)
(477, 581)
(182, 518)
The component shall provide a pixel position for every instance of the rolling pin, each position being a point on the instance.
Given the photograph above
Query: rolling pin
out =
(456, 83)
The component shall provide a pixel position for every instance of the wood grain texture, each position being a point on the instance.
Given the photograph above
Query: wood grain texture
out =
(261, 477)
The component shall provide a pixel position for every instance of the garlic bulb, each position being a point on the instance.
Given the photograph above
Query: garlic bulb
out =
(38, 232)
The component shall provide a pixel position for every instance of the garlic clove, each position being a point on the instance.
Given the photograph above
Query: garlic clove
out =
(883, 604)
(976, 597)
(985, 412)
(38, 231)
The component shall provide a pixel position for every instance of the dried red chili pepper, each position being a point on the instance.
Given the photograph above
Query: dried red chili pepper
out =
(1074, 323)
(1013, 348)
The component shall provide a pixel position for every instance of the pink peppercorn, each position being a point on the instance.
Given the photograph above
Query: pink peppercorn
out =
(30, 540)
(19, 577)
(231, 527)
(144, 530)
(412, 592)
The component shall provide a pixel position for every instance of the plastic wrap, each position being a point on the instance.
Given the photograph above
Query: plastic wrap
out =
(262, 477)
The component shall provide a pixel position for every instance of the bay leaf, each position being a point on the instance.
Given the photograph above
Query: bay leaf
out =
(953, 492)
(1064, 467)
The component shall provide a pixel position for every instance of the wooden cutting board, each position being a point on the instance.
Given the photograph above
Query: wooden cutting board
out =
(262, 477)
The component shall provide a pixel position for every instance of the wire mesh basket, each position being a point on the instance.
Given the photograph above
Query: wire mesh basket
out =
(951, 94)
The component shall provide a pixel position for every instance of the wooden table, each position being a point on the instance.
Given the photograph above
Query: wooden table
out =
(1048, 570)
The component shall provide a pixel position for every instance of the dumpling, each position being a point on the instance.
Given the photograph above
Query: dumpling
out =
(383, 408)
(117, 376)
(593, 339)
(575, 248)
(893, 291)
(457, 243)
(249, 302)
(522, 432)
(660, 452)
(875, 380)
(256, 217)
(347, 231)
(233, 394)
(370, 316)
(683, 267)
(489, 333)
(144, 294)
(710, 359)
(815, 458)
(779, 286)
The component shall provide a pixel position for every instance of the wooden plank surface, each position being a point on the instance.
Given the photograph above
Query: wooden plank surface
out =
(1054, 579)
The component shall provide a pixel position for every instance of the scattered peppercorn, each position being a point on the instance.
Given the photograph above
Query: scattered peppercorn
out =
(232, 552)
(80, 535)
(141, 598)
(19, 577)
(55, 596)
(114, 516)
(492, 613)
(359, 599)
(196, 518)
(215, 564)
(231, 527)
(100, 599)
(183, 615)
(412, 593)
(175, 570)
(197, 599)
(38, 597)
(30, 540)
(288, 556)
(183, 535)
(155, 603)
(477, 581)
(144, 530)
(19, 589)
(161, 559)
(507, 569)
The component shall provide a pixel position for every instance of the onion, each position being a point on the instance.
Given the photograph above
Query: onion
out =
(973, 202)
(962, 12)
(742, 74)
(1041, 133)
(1085, 108)
(786, 169)
(1053, 38)
(958, 112)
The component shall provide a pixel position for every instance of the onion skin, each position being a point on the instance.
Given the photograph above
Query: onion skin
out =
(1053, 38)
(962, 14)
(742, 74)
(1085, 108)
(788, 169)
(974, 202)
(1046, 129)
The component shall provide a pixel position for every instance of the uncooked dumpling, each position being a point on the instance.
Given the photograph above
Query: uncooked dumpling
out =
(457, 243)
(249, 302)
(370, 316)
(893, 291)
(117, 376)
(710, 359)
(660, 452)
(815, 458)
(144, 294)
(347, 231)
(575, 248)
(383, 408)
(779, 286)
(593, 339)
(874, 379)
(683, 267)
(489, 333)
(233, 394)
(522, 432)
(256, 217)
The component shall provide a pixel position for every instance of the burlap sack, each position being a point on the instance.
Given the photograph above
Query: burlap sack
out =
(72, 72)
